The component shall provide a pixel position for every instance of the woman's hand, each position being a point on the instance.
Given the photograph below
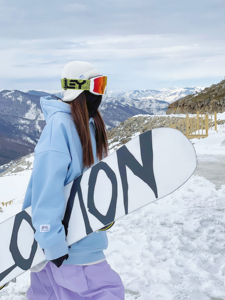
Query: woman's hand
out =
(58, 261)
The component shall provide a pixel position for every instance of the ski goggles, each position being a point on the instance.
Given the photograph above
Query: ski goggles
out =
(96, 85)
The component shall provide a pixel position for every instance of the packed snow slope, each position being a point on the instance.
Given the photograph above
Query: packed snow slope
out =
(170, 250)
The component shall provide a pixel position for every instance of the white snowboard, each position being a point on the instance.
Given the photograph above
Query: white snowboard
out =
(147, 168)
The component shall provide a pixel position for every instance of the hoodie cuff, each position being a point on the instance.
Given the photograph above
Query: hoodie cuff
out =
(56, 251)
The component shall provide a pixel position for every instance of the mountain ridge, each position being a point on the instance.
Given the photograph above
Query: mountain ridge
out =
(209, 100)
(22, 120)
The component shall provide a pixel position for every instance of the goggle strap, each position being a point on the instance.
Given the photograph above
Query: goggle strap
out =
(75, 84)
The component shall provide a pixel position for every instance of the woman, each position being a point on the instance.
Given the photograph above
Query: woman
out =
(73, 139)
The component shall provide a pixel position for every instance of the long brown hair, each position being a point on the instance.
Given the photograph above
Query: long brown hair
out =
(80, 116)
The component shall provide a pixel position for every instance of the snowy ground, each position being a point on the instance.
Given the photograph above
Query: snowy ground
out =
(172, 249)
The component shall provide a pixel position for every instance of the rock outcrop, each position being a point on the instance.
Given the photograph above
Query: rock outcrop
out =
(135, 125)
(210, 100)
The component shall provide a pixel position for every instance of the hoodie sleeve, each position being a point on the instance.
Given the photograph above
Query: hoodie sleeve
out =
(48, 201)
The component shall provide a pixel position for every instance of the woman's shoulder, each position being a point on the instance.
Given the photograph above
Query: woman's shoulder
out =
(57, 134)
(62, 120)
(60, 124)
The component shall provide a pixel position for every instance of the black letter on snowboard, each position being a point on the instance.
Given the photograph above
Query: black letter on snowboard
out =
(145, 172)
(76, 189)
(20, 261)
(110, 216)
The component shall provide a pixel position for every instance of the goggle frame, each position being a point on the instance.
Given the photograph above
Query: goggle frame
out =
(93, 85)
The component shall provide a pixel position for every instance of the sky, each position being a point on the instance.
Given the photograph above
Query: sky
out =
(142, 44)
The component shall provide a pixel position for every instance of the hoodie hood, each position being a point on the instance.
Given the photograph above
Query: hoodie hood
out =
(50, 107)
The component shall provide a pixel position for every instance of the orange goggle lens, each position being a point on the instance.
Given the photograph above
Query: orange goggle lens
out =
(100, 84)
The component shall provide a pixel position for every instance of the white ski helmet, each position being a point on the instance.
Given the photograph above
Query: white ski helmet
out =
(77, 70)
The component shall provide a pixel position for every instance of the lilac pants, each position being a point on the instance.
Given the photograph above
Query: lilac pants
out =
(93, 282)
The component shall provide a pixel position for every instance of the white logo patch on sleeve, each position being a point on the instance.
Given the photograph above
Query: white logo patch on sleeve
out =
(44, 228)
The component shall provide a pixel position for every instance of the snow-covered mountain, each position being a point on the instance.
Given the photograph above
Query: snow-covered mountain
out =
(167, 95)
(22, 121)
(116, 107)
(153, 102)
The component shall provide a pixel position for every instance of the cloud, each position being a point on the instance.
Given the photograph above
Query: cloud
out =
(157, 42)
(27, 19)
(74, 7)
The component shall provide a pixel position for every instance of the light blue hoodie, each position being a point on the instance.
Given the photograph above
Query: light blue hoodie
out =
(58, 160)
